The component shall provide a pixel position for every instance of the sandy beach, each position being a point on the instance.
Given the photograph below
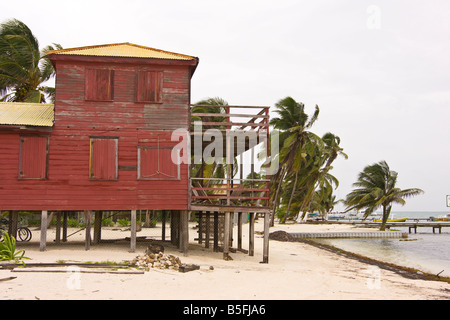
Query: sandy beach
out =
(296, 271)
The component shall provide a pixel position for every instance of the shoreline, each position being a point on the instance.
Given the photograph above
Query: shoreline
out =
(407, 272)
(297, 270)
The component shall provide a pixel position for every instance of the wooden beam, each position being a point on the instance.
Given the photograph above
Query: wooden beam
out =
(163, 222)
(228, 115)
(184, 231)
(58, 228)
(13, 221)
(226, 237)
(266, 238)
(98, 226)
(43, 243)
(133, 231)
(251, 234)
(216, 231)
(200, 227)
(64, 225)
(239, 240)
(207, 229)
(87, 220)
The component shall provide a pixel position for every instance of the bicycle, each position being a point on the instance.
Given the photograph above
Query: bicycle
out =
(23, 233)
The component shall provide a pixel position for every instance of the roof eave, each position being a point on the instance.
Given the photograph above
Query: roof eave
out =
(54, 57)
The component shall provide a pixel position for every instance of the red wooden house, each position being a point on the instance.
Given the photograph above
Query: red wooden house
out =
(109, 146)
(106, 142)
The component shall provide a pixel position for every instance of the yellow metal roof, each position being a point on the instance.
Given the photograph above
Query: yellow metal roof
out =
(122, 50)
(27, 114)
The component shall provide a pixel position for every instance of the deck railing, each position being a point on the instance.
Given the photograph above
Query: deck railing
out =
(232, 121)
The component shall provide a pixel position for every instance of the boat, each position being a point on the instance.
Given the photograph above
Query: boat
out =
(441, 218)
(393, 220)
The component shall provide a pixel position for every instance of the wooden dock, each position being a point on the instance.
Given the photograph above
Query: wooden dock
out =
(349, 235)
(413, 225)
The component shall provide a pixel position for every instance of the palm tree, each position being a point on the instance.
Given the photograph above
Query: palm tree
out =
(23, 68)
(376, 187)
(332, 143)
(293, 124)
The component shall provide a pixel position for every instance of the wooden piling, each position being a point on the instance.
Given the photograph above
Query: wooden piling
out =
(133, 231)
(251, 234)
(43, 242)
(58, 228)
(87, 220)
(266, 238)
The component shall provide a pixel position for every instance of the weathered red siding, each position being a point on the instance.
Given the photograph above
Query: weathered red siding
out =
(33, 157)
(71, 183)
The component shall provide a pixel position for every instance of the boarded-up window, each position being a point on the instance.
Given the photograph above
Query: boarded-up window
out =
(33, 157)
(99, 84)
(155, 163)
(103, 158)
(149, 86)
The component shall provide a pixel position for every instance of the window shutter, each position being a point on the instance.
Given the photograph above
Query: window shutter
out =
(156, 164)
(149, 86)
(33, 157)
(103, 159)
(99, 84)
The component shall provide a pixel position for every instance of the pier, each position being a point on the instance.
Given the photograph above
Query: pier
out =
(413, 225)
(348, 235)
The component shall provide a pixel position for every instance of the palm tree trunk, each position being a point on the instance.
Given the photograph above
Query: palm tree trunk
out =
(291, 198)
(275, 200)
(386, 212)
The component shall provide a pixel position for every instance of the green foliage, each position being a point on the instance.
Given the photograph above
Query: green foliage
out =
(304, 182)
(8, 249)
(123, 222)
(23, 67)
(375, 188)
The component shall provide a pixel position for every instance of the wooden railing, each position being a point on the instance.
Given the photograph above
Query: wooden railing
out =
(230, 191)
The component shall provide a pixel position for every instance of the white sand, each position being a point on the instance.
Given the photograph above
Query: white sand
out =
(295, 271)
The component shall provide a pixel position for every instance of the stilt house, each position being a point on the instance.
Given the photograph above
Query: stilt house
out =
(107, 145)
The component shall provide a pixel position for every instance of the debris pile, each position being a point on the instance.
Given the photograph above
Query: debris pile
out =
(157, 260)
(154, 257)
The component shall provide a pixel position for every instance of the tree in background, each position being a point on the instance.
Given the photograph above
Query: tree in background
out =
(375, 188)
(23, 67)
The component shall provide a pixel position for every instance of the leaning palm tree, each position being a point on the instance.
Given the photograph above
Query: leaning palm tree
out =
(23, 67)
(375, 188)
(293, 124)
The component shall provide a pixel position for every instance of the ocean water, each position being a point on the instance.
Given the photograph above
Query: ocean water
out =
(427, 252)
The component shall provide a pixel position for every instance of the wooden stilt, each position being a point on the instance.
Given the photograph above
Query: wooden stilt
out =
(64, 226)
(226, 237)
(184, 231)
(87, 220)
(98, 216)
(239, 239)
(133, 231)
(13, 222)
(207, 228)
(251, 234)
(200, 227)
(266, 238)
(98, 226)
(163, 222)
(58, 228)
(43, 243)
(231, 228)
(216, 232)
(174, 219)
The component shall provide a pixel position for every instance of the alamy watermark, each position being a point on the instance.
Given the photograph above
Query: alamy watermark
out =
(73, 281)
(373, 281)
(374, 19)
(222, 146)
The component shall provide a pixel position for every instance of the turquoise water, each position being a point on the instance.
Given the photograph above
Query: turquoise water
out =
(427, 252)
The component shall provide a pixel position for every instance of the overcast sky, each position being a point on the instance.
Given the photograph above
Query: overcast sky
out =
(379, 70)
